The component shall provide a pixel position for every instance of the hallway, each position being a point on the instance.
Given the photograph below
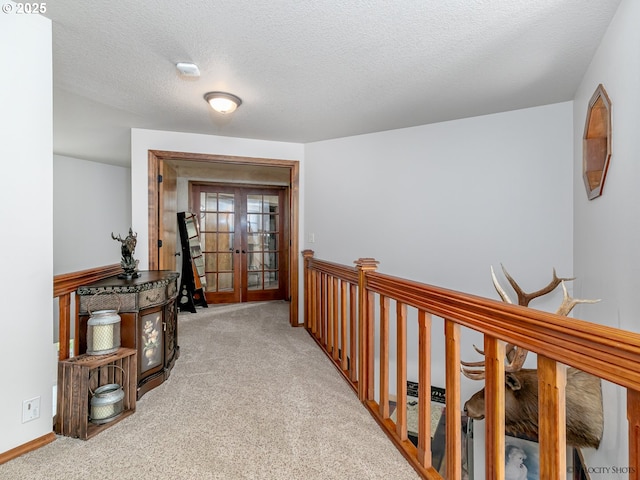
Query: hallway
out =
(249, 398)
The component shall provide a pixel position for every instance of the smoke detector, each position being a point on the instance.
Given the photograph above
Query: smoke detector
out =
(188, 69)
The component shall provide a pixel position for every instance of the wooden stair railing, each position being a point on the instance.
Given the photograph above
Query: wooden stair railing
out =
(609, 353)
(64, 286)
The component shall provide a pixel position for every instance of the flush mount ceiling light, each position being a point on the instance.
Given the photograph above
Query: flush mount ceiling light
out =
(222, 102)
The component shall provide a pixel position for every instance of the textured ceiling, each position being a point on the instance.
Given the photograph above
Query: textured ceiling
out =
(308, 70)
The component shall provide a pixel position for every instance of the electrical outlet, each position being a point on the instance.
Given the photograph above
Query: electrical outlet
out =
(30, 409)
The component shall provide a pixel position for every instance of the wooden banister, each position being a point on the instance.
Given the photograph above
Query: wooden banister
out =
(64, 285)
(69, 282)
(609, 353)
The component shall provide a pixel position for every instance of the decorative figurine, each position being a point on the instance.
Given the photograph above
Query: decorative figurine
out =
(129, 264)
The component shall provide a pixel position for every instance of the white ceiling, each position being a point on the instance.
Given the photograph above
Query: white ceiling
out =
(308, 70)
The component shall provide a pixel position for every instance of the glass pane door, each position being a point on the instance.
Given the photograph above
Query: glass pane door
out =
(262, 242)
(264, 245)
(217, 210)
(243, 242)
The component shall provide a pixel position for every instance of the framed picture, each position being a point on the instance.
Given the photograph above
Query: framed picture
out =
(437, 409)
(522, 459)
(438, 430)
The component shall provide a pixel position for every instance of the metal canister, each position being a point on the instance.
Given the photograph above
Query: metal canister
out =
(107, 403)
(103, 330)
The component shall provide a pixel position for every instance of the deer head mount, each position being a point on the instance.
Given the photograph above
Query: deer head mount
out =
(584, 412)
(516, 356)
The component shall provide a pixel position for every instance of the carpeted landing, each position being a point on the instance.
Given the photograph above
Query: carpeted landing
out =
(249, 398)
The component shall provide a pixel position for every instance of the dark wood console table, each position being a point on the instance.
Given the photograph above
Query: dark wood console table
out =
(147, 309)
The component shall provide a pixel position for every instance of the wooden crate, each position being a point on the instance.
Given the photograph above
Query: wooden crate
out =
(80, 375)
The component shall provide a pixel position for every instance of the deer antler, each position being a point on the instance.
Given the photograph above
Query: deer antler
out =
(568, 302)
(516, 356)
(523, 297)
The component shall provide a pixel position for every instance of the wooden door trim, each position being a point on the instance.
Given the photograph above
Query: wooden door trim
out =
(167, 190)
(157, 156)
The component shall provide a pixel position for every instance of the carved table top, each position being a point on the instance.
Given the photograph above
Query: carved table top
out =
(146, 281)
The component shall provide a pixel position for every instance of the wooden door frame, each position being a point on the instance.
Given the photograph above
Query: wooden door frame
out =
(158, 156)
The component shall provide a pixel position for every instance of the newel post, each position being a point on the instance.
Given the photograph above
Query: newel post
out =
(365, 330)
(307, 256)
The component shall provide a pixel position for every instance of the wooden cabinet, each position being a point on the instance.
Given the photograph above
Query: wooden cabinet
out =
(149, 322)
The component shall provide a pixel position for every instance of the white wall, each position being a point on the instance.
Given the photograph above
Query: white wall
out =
(28, 369)
(607, 229)
(441, 203)
(90, 201)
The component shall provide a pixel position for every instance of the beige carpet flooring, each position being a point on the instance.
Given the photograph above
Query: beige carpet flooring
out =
(249, 398)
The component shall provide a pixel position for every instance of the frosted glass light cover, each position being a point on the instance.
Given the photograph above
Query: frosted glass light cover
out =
(222, 105)
(223, 102)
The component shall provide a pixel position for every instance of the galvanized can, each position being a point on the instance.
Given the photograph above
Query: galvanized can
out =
(107, 403)
(103, 330)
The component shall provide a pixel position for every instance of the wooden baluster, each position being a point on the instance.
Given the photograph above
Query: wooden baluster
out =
(314, 304)
(633, 416)
(343, 326)
(318, 282)
(312, 301)
(424, 389)
(384, 357)
(64, 322)
(552, 422)
(401, 371)
(370, 335)
(327, 312)
(330, 301)
(320, 320)
(353, 326)
(453, 419)
(494, 351)
(323, 310)
(336, 338)
(317, 287)
(307, 256)
(307, 290)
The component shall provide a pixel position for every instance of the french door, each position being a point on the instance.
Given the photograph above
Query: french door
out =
(244, 238)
